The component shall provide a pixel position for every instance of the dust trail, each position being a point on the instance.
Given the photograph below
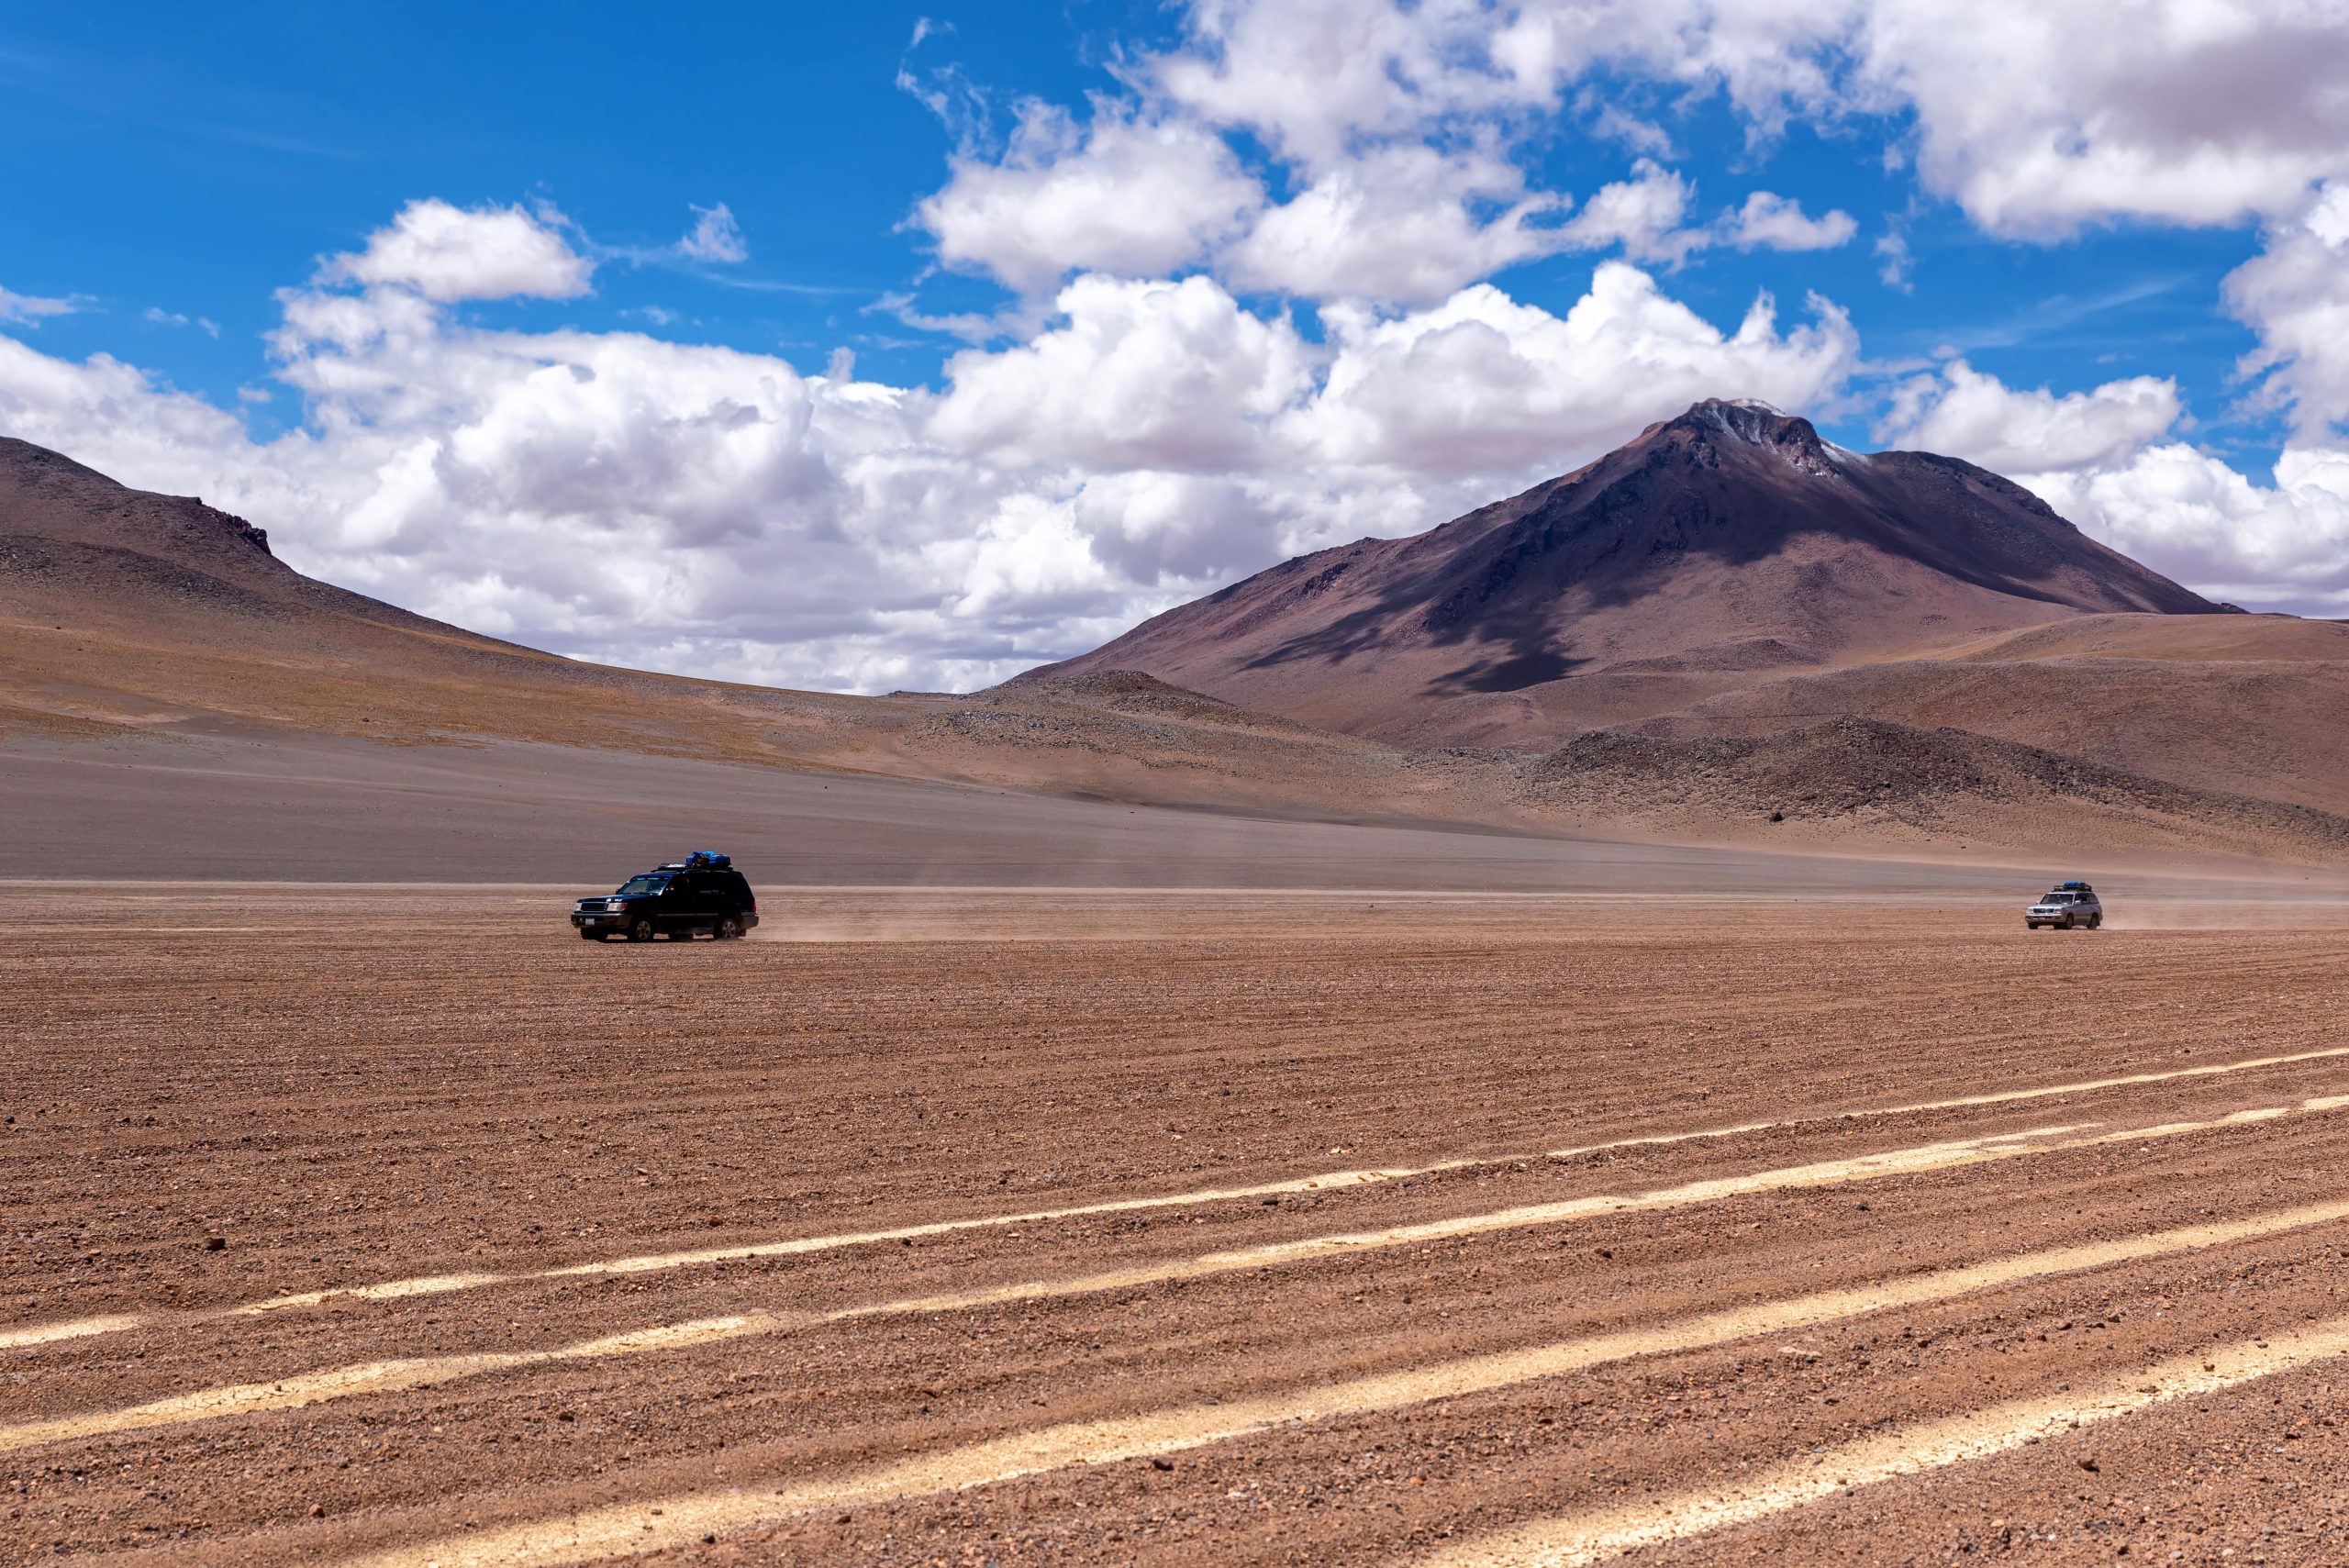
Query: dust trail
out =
(1328, 1181)
(303, 1389)
(654, 1524)
(1928, 1446)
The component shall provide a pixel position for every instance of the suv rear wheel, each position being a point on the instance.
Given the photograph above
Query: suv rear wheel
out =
(729, 928)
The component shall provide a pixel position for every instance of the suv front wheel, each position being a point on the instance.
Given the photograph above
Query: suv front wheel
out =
(640, 929)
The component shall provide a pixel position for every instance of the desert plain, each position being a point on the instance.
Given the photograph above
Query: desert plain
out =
(1145, 1128)
(1707, 1208)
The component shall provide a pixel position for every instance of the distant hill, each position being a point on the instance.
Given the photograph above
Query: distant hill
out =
(1726, 547)
(1791, 713)
(123, 612)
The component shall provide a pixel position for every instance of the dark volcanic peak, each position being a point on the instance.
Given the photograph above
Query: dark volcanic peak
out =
(1726, 538)
(1755, 424)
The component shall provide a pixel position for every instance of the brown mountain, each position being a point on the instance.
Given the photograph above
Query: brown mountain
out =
(128, 614)
(165, 680)
(1719, 550)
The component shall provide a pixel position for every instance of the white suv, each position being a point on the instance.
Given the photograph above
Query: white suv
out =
(2072, 904)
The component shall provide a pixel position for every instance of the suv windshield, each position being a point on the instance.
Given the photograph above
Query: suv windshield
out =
(2059, 898)
(646, 883)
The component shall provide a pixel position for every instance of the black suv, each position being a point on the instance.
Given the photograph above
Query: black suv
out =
(701, 893)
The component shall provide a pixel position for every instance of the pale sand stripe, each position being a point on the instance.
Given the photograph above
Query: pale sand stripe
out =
(45, 1334)
(623, 1530)
(42, 1334)
(301, 1389)
(1913, 1451)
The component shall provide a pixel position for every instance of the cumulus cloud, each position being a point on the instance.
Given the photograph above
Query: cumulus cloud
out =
(2295, 294)
(1484, 384)
(1122, 195)
(2040, 117)
(445, 252)
(2104, 458)
(685, 506)
(1126, 436)
(1959, 411)
(715, 235)
(1771, 222)
(27, 309)
(1315, 78)
(2036, 119)
(1645, 215)
(2283, 545)
(1402, 224)
(1157, 375)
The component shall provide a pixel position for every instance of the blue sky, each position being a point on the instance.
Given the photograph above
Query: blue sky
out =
(2028, 265)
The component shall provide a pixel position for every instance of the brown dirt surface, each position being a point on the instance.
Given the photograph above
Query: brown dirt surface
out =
(398, 1226)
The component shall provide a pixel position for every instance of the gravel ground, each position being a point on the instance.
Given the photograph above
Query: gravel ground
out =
(1164, 1228)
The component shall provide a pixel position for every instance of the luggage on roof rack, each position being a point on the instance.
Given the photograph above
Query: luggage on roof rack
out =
(708, 859)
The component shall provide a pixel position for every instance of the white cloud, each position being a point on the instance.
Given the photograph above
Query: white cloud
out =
(1400, 224)
(1315, 78)
(715, 237)
(1121, 196)
(27, 309)
(2036, 118)
(1645, 215)
(162, 318)
(1896, 268)
(2039, 118)
(2103, 459)
(2189, 515)
(1139, 375)
(121, 420)
(1773, 222)
(2296, 294)
(1483, 385)
(1960, 412)
(675, 505)
(445, 252)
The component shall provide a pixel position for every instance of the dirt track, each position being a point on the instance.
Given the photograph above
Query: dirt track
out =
(1175, 1228)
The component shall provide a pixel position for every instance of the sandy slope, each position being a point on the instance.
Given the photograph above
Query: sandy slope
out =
(2249, 705)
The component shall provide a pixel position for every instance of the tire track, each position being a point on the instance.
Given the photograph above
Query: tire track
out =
(301, 1390)
(32, 1335)
(658, 1523)
(1931, 1445)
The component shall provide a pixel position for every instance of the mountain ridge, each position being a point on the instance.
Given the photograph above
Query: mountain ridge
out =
(1729, 539)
